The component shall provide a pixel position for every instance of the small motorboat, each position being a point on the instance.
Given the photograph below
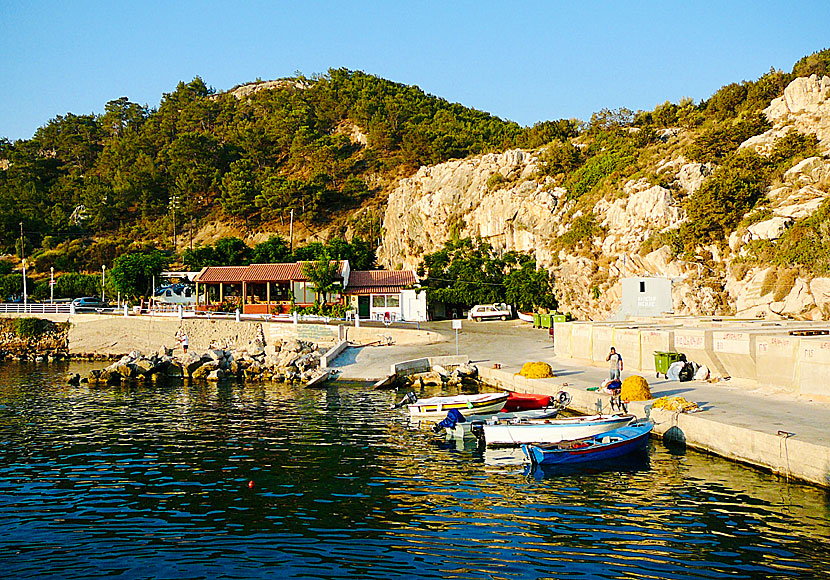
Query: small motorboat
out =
(530, 401)
(525, 316)
(612, 444)
(437, 407)
(522, 431)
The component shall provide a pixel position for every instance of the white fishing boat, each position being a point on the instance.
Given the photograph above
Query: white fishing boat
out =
(523, 431)
(460, 429)
(437, 407)
(525, 316)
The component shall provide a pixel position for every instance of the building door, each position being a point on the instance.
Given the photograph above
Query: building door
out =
(363, 306)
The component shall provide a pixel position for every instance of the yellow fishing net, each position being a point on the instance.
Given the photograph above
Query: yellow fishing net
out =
(536, 370)
(635, 388)
(676, 404)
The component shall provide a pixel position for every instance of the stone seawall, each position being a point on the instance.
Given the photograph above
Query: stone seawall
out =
(117, 335)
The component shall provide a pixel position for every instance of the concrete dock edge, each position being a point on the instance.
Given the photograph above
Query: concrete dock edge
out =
(778, 453)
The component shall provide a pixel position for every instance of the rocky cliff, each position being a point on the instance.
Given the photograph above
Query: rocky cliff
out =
(505, 199)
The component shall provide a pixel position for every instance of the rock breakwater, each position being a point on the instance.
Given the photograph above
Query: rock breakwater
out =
(290, 361)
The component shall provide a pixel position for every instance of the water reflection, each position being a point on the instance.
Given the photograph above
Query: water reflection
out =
(153, 481)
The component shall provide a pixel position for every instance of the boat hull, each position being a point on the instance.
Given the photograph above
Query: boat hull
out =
(437, 407)
(526, 401)
(525, 316)
(465, 429)
(610, 445)
(547, 431)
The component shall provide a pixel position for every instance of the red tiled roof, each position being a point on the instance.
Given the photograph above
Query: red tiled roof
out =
(366, 290)
(363, 282)
(216, 274)
(284, 272)
(273, 272)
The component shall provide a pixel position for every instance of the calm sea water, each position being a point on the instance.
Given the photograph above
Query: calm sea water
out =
(153, 482)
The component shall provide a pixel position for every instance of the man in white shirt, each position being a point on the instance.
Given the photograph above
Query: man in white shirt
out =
(616, 361)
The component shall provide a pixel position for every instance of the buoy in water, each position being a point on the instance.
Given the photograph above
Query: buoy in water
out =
(251, 484)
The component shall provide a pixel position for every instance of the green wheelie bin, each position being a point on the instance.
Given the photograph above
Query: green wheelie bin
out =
(663, 360)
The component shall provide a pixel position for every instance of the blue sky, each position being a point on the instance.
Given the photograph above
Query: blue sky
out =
(525, 61)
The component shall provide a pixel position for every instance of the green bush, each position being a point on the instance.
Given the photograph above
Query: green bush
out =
(495, 180)
(719, 205)
(595, 170)
(582, 230)
(807, 243)
(817, 63)
(29, 327)
(716, 143)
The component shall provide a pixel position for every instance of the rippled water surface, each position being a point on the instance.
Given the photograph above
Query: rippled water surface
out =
(153, 482)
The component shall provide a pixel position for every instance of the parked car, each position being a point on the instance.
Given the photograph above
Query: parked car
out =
(481, 312)
(89, 304)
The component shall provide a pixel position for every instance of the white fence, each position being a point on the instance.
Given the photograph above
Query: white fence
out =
(35, 308)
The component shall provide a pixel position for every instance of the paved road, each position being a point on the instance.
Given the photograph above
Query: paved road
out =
(513, 343)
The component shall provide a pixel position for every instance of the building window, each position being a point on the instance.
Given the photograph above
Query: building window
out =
(378, 301)
(642, 286)
(393, 301)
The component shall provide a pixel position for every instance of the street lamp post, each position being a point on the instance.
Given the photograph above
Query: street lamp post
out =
(51, 285)
(103, 279)
(25, 297)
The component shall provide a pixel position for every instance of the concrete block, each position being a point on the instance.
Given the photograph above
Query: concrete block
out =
(410, 367)
(736, 350)
(582, 340)
(696, 344)
(652, 340)
(562, 338)
(775, 358)
(603, 340)
(627, 343)
(813, 366)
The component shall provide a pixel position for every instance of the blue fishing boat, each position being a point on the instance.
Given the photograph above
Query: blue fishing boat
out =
(608, 445)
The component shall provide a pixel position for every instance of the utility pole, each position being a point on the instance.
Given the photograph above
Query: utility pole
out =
(290, 229)
(23, 261)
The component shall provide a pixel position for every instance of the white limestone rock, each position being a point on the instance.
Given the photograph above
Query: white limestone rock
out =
(770, 229)
(805, 105)
(692, 175)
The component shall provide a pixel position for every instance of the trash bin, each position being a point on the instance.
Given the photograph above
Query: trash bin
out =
(544, 320)
(558, 318)
(536, 320)
(663, 359)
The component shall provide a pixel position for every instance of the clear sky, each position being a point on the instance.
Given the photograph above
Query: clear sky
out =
(525, 61)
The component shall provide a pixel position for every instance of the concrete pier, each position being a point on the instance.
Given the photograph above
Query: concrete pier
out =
(786, 437)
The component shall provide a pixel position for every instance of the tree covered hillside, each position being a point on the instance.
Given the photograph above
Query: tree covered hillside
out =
(88, 187)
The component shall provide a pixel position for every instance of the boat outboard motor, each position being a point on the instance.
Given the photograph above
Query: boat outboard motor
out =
(477, 429)
(453, 418)
(563, 398)
(409, 399)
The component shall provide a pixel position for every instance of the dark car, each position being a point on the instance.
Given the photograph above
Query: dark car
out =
(89, 304)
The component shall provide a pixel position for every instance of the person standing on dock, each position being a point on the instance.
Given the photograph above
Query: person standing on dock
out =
(616, 363)
(181, 335)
